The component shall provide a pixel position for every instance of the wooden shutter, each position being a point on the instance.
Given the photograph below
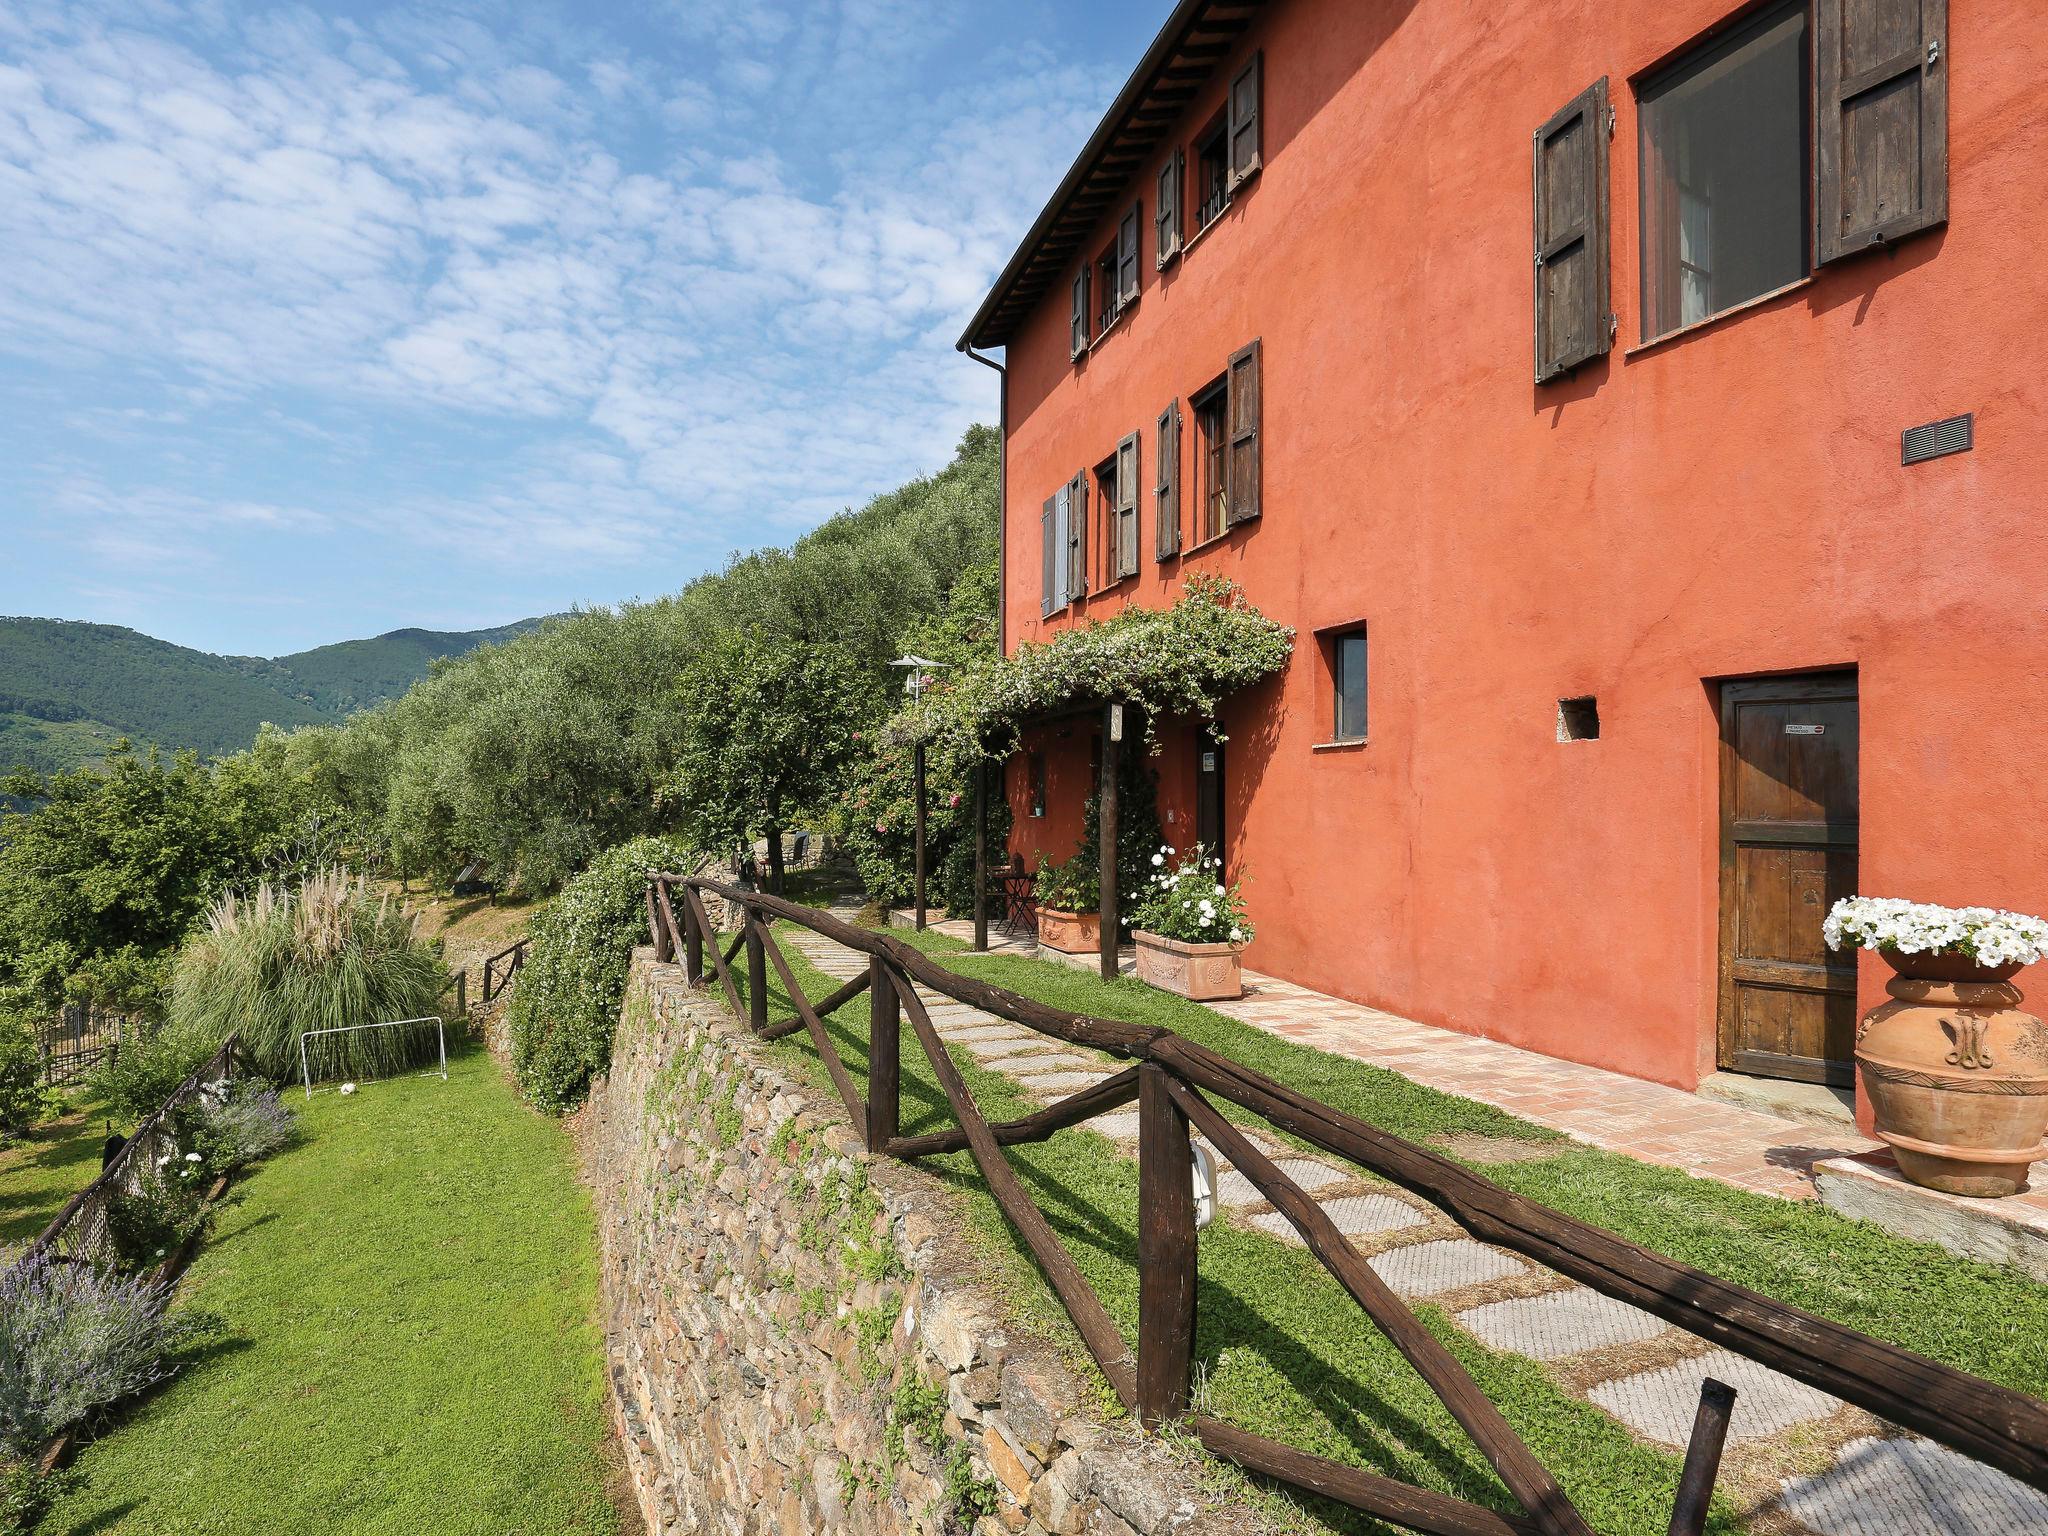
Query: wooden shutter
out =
(1078, 338)
(1127, 255)
(1241, 417)
(1127, 463)
(1880, 164)
(1571, 235)
(1243, 141)
(1048, 556)
(1166, 209)
(1166, 486)
(1077, 536)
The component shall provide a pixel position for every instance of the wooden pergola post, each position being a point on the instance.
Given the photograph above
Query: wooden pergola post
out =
(917, 794)
(981, 853)
(1112, 734)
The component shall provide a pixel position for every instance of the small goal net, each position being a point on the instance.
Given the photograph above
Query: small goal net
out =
(338, 1059)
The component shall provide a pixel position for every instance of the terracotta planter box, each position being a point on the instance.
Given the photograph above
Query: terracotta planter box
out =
(1203, 972)
(1072, 933)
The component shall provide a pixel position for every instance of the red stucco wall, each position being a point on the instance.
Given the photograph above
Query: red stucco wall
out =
(1727, 503)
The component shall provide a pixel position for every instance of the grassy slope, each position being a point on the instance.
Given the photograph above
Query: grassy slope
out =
(410, 1343)
(47, 1167)
(1285, 1351)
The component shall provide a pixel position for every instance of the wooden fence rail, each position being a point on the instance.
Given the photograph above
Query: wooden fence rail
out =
(1174, 1081)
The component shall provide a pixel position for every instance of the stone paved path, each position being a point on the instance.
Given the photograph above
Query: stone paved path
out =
(1798, 1459)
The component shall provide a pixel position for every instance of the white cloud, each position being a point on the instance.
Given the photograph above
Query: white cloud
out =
(702, 318)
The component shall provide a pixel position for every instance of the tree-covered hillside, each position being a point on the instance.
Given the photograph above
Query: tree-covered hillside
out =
(69, 690)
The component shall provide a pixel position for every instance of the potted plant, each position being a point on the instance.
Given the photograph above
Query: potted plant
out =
(1069, 903)
(1190, 928)
(1957, 1075)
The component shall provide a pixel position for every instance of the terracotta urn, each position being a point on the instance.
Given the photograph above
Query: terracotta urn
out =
(1073, 933)
(1203, 972)
(1957, 1074)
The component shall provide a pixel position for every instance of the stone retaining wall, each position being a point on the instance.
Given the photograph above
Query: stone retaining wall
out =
(796, 1339)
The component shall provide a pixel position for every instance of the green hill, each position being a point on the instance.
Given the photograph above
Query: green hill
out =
(69, 689)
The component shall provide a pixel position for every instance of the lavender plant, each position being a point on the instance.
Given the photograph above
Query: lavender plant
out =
(74, 1338)
(252, 1122)
(146, 1224)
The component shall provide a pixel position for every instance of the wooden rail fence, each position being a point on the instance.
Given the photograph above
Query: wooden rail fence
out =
(499, 969)
(1174, 1082)
(79, 1231)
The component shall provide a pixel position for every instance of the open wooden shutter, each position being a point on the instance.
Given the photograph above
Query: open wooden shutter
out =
(1880, 164)
(1166, 486)
(1571, 235)
(1241, 415)
(1127, 458)
(1127, 255)
(1049, 555)
(1078, 336)
(1077, 536)
(1166, 209)
(1244, 122)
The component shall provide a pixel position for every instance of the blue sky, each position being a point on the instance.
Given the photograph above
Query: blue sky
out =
(320, 321)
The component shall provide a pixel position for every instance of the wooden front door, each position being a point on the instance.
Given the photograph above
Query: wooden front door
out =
(1209, 794)
(1788, 852)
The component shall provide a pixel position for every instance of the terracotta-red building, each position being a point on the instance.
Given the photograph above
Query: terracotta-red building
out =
(1638, 409)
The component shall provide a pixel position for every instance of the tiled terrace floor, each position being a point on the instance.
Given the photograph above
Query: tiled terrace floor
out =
(1743, 1147)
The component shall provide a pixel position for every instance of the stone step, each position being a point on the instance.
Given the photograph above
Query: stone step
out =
(1659, 1405)
(1560, 1323)
(1886, 1487)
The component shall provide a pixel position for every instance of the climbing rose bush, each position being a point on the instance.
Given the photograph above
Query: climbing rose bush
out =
(1185, 899)
(1984, 934)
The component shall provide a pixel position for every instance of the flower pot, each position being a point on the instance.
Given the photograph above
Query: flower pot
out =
(1072, 933)
(1957, 1075)
(1203, 972)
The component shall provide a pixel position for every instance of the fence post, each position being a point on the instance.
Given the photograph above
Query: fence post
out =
(1166, 1250)
(757, 973)
(885, 1040)
(980, 853)
(462, 992)
(1105, 854)
(693, 945)
(664, 941)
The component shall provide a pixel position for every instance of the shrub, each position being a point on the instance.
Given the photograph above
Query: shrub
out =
(326, 956)
(1070, 886)
(27, 1495)
(137, 1079)
(72, 1339)
(148, 1223)
(567, 1002)
(1185, 898)
(252, 1122)
(23, 1098)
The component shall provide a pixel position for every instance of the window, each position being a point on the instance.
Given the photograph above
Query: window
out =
(1212, 457)
(1055, 533)
(1077, 342)
(1123, 520)
(1212, 173)
(1347, 676)
(1035, 770)
(1105, 284)
(1724, 173)
(1578, 719)
(1166, 209)
(1572, 318)
(1116, 271)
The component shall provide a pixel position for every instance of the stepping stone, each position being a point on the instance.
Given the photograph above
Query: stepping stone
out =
(1120, 1126)
(1560, 1323)
(1059, 1084)
(1235, 1189)
(1883, 1487)
(991, 1050)
(1044, 1061)
(1429, 1269)
(1355, 1216)
(1659, 1405)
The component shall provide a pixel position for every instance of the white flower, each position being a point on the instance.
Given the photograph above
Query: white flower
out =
(1221, 892)
(1237, 935)
(1158, 859)
(191, 1157)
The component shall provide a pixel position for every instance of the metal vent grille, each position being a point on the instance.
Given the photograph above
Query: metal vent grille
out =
(1936, 438)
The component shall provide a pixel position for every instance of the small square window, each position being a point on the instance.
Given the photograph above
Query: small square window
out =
(1347, 673)
(1035, 764)
(1578, 719)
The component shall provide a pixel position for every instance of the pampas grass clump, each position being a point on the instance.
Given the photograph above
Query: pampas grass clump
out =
(331, 954)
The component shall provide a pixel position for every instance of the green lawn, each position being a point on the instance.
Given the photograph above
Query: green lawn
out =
(47, 1167)
(1283, 1351)
(408, 1338)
